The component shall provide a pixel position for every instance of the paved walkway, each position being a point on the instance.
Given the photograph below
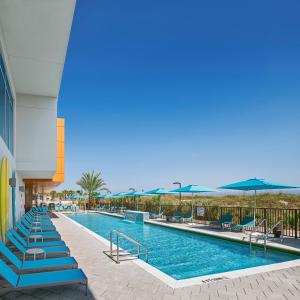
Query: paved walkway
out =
(127, 281)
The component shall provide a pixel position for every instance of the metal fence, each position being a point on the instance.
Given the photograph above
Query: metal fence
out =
(290, 217)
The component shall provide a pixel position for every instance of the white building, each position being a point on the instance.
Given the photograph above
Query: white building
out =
(34, 36)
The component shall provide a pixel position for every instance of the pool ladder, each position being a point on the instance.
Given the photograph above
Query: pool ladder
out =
(265, 236)
(116, 254)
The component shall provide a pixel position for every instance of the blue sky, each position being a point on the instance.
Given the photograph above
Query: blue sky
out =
(204, 92)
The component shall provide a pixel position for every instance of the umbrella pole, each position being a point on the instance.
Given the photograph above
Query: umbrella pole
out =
(159, 205)
(192, 207)
(254, 213)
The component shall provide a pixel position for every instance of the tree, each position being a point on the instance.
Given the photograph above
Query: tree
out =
(53, 195)
(65, 193)
(92, 183)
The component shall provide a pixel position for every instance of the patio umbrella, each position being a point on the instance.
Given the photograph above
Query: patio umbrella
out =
(99, 196)
(122, 195)
(137, 200)
(193, 188)
(256, 184)
(159, 191)
(109, 196)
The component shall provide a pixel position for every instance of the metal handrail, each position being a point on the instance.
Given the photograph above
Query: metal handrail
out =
(260, 224)
(120, 251)
(270, 231)
(262, 234)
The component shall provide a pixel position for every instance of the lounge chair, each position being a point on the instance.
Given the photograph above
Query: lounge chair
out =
(177, 217)
(35, 215)
(52, 235)
(47, 251)
(43, 221)
(187, 219)
(38, 265)
(224, 222)
(156, 215)
(45, 279)
(247, 222)
(40, 244)
(42, 226)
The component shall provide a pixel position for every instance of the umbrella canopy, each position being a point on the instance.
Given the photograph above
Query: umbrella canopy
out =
(159, 191)
(129, 194)
(122, 194)
(256, 184)
(193, 188)
(139, 194)
(111, 195)
(100, 195)
(75, 197)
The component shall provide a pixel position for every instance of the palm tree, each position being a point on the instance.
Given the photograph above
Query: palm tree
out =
(53, 195)
(65, 193)
(92, 183)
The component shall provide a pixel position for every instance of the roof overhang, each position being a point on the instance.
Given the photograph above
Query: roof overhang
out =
(36, 35)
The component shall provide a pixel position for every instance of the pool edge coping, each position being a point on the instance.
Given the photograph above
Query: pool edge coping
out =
(205, 279)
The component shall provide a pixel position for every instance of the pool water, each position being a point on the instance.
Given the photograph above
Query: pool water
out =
(181, 254)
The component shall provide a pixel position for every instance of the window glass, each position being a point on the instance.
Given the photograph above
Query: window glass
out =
(2, 105)
(6, 109)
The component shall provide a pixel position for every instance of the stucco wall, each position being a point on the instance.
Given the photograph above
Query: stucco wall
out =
(36, 136)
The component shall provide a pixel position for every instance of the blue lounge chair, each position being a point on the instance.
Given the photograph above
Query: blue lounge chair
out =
(31, 219)
(177, 216)
(45, 279)
(28, 244)
(46, 235)
(247, 222)
(48, 251)
(37, 216)
(224, 222)
(186, 219)
(38, 265)
(42, 226)
(154, 215)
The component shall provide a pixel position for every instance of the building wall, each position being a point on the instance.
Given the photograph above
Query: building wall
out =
(4, 151)
(36, 136)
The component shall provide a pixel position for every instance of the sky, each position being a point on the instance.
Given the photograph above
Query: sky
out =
(201, 92)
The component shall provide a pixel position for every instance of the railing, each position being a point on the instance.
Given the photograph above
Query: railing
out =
(276, 225)
(118, 252)
(289, 217)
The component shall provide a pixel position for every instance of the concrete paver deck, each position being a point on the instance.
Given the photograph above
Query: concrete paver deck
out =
(127, 281)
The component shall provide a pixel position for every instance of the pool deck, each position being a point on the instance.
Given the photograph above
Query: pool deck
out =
(129, 280)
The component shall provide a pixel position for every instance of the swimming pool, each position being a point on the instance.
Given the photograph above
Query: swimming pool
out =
(182, 254)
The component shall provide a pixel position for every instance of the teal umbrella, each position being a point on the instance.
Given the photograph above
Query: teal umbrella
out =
(109, 196)
(137, 199)
(159, 191)
(75, 197)
(193, 188)
(99, 196)
(256, 184)
(122, 195)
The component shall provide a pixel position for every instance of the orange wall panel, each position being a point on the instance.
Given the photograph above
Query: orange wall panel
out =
(60, 159)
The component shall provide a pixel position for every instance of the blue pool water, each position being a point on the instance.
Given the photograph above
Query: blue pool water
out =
(182, 254)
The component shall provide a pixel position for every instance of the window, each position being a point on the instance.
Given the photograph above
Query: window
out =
(6, 109)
